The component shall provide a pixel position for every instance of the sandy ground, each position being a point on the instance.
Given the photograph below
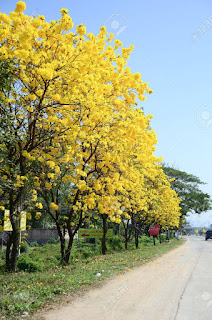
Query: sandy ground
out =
(149, 292)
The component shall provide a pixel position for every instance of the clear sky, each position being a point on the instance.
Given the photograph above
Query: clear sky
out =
(173, 52)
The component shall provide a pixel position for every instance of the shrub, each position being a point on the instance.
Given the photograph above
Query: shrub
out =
(116, 243)
(146, 241)
(81, 249)
(86, 252)
(25, 247)
(53, 241)
(26, 263)
(34, 244)
(52, 260)
(163, 237)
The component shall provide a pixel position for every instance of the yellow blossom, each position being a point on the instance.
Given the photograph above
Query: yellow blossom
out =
(20, 6)
(54, 206)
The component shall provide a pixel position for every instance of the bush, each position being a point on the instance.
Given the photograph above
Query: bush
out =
(51, 261)
(34, 244)
(81, 249)
(116, 243)
(86, 252)
(53, 241)
(25, 247)
(146, 241)
(163, 237)
(26, 263)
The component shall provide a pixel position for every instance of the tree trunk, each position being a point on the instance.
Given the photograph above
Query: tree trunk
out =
(104, 246)
(153, 240)
(8, 251)
(70, 243)
(119, 229)
(62, 242)
(68, 250)
(126, 239)
(14, 252)
(168, 235)
(136, 238)
(71, 234)
(14, 236)
(12, 249)
(127, 233)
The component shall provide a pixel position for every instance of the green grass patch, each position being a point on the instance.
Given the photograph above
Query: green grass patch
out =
(42, 280)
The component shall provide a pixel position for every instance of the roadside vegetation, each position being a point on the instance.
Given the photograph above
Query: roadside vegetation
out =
(41, 279)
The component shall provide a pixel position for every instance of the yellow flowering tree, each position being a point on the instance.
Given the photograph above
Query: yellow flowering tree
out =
(100, 173)
(150, 201)
(75, 125)
(28, 120)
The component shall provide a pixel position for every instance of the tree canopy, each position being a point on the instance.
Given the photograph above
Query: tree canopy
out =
(187, 186)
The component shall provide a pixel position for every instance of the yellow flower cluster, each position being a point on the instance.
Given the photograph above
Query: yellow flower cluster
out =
(54, 206)
(20, 6)
(39, 205)
(81, 30)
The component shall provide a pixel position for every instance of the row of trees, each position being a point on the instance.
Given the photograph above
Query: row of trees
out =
(74, 142)
(187, 186)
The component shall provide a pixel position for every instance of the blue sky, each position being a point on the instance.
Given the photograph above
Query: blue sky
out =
(173, 51)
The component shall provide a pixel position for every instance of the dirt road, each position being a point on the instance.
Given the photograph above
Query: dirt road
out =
(176, 286)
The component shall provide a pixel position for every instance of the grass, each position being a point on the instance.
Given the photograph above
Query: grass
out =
(29, 291)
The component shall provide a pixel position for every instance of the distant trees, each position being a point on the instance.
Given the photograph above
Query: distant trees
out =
(187, 186)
